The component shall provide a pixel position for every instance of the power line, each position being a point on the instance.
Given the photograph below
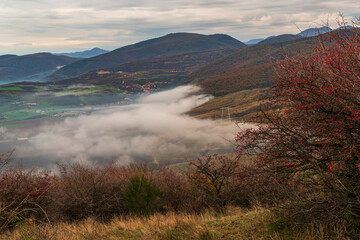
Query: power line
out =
(222, 113)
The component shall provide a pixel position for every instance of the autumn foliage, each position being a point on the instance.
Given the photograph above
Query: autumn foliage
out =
(313, 136)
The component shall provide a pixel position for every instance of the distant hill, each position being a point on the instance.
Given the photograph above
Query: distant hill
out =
(150, 70)
(311, 32)
(345, 27)
(280, 38)
(240, 80)
(158, 47)
(30, 67)
(84, 54)
(254, 41)
(7, 56)
(248, 68)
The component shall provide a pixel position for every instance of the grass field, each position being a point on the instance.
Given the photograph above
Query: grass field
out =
(241, 104)
(4, 107)
(240, 224)
(20, 103)
(10, 125)
(18, 115)
(237, 224)
(11, 89)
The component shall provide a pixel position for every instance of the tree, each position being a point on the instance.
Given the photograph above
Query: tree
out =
(314, 133)
(214, 177)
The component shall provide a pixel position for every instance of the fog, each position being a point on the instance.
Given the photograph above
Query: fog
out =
(154, 129)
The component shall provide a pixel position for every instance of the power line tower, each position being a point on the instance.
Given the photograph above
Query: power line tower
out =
(222, 113)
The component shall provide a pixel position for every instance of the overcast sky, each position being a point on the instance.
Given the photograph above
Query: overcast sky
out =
(28, 26)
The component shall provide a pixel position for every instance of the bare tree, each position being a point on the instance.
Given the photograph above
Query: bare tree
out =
(214, 176)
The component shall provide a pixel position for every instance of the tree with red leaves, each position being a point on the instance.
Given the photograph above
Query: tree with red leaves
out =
(313, 135)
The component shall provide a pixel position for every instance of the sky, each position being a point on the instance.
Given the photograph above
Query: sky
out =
(29, 26)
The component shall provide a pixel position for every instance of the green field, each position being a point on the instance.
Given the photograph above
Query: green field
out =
(26, 102)
(11, 89)
(4, 107)
(18, 115)
(10, 125)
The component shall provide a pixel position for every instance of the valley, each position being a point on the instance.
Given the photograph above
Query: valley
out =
(231, 79)
(177, 120)
(221, 65)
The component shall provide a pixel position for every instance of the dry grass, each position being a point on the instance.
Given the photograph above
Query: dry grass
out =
(242, 104)
(168, 226)
(238, 224)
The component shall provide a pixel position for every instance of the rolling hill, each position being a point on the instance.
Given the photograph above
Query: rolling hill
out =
(84, 54)
(248, 68)
(241, 79)
(254, 41)
(30, 67)
(178, 66)
(158, 47)
(311, 32)
(280, 38)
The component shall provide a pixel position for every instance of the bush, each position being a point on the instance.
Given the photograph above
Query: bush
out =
(176, 192)
(90, 191)
(213, 177)
(24, 195)
(314, 136)
(142, 197)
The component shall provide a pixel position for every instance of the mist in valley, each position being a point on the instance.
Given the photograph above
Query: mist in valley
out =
(154, 129)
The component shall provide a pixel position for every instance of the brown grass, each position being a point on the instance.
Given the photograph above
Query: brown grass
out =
(238, 224)
(241, 103)
(154, 227)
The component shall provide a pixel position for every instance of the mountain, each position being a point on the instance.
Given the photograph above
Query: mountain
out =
(254, 41)
(30, 67)
(84, 54)
(172, 69)
(7, 56)
(279, 39)
(158, 47)
(240, 80)
(311, 32)
(248, 68)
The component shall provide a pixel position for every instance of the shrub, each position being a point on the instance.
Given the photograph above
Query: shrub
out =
(142, 196)
(314, 136)
(176, 192)
(24, 195)
(90, 191)
(214, 177)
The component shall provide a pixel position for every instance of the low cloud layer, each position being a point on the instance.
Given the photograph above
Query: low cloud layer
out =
(62, 26)
(155, 128)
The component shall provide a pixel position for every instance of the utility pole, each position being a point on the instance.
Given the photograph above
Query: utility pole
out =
(222, 113)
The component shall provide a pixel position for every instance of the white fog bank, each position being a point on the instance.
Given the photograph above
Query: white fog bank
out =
(154, 128)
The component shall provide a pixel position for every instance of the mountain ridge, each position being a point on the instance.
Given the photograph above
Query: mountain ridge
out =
(182, 64)
(84, 54)
(157, 47)
(31, 66)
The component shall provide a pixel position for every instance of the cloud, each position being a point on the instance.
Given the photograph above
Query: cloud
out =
(38, 21)
(154, 128)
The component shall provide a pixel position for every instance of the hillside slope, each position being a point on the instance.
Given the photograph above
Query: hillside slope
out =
(84, 54)
(30, 67)
(280, 38)
(241, 80)
(248, 68)
(178, 66)
(157, 47)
